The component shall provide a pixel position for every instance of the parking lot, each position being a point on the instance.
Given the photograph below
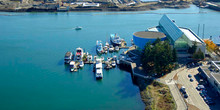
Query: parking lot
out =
(194, 97)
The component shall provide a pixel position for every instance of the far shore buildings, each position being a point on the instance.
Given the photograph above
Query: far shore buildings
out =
(180, 38)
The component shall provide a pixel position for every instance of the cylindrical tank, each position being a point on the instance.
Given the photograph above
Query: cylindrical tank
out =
(142, 37)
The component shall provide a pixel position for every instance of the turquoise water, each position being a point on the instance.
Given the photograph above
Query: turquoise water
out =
(32, 47)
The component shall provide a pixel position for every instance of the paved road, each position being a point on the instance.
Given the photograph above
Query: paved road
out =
(194, 97)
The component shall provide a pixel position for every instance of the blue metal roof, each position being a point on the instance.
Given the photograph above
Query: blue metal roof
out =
(170, 27)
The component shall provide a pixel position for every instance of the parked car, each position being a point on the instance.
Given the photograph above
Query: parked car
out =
(203, 94)
(189, 75)
(183, 90)
(185, 95)
(191, 79)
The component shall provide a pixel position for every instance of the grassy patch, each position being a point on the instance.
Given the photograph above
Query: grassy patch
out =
(157, 96)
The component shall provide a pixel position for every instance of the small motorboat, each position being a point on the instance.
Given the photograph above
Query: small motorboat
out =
(114, 58)
(89, 57)
(81, 64)
(107, 44)
(105, 49)
(116, 48)
(99, 47)
(111, 48)
(113, 63)
(108, 59)
(72, 66)
(68, 57)
(78, 28)
(132, 42)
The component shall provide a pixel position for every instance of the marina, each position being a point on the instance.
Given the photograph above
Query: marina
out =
(82, 57)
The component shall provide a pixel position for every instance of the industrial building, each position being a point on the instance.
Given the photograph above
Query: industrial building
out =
(179, 37)
(211, 73)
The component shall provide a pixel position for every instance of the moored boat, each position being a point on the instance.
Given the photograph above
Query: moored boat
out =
(72, 66)
(79, 54)
(89, 57)
(117, 48)
(107, 44)
(81, 64)
(68, 57)
(98, 68)
(78, 28)
(111, 48)
(115, 39)
(99, 47)
(113, 63)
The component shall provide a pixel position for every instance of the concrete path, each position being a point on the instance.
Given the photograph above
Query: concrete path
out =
(168, 79)
(176, 95)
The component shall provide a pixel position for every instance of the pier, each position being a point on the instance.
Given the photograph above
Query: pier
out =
(135, 70)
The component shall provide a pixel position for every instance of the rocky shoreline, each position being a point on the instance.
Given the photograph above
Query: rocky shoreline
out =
(53, 7)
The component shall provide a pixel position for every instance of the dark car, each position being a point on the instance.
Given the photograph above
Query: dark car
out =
(191, 80)
(201, 94)
(189, 75)
(185, 95)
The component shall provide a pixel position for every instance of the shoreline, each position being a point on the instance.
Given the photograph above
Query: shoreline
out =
(173, 5)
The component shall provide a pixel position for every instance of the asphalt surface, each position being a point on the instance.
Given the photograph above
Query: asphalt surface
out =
(193, 95)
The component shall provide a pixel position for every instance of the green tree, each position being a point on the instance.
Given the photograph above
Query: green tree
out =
(156, 41)
(146, 57)
(158, 58)
(198, 55)
(174, 55)
(192, 49)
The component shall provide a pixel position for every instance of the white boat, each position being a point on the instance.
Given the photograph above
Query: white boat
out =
(78, 28)
(116, 48)
(111, 48)
(89, 57)
(132, 42)
(107, 44)
(68, 57)
(98, 68)
(99, 47)
(72, 66)
(113, 63)
(79, 54)
(81, 64)
(105, 49)
(115, 39)
(114, 57)
(108, 59)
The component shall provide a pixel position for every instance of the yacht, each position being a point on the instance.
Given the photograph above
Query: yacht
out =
(111, 48)
(115, 39)
(79, 54)
(98, 68)
(68, 57)
(99, 47)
